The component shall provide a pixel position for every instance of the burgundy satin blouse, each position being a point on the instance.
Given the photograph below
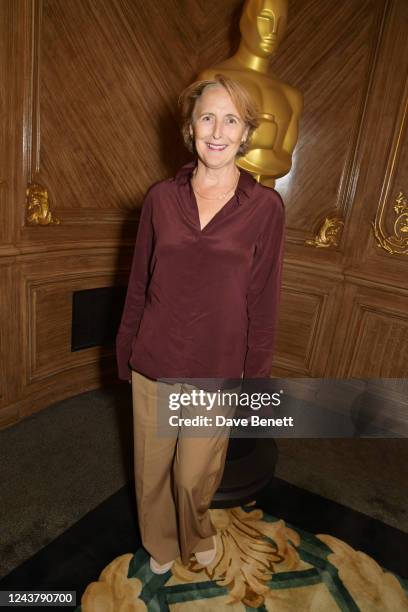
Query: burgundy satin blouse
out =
(203, 304)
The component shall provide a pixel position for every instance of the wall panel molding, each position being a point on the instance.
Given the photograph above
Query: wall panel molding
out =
(390, 225)
(91, 141)
(337, 80)
(48, 302)
(371, 340)
(385, 170)
(308, 313)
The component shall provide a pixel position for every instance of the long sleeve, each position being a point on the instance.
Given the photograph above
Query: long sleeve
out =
(137, 287)
(264, 294)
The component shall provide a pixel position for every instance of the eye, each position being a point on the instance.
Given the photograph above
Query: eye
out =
(232, 120)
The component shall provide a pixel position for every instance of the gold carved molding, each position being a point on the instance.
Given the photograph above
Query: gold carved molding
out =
(396, 243)
(328, 234)
(38, 207)
(37, 199)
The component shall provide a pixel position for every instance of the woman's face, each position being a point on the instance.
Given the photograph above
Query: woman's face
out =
(217, 129)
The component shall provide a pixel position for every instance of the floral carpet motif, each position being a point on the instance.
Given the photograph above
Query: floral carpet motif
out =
(261, 564)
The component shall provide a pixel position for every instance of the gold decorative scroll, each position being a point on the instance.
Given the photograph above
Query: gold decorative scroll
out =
(38, 208)
(328, 235)
(396, 243)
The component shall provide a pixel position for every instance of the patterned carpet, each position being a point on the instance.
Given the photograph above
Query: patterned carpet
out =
(261, 564)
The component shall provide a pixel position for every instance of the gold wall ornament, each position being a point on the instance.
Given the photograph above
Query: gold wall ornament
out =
(38, 208)
(262, 25)
(328, 234)
(396, 243)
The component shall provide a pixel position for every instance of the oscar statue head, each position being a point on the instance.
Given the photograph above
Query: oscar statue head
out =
(262, 25)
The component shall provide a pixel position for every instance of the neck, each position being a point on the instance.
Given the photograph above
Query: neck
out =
(215, 177)
(247, 59)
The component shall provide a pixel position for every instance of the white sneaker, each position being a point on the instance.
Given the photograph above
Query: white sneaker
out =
(206, 557)
(160, 569)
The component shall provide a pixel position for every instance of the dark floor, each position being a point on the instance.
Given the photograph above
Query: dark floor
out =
(77, 557)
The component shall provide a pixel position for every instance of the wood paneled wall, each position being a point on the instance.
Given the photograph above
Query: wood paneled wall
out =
(88, 93)
(90, 98)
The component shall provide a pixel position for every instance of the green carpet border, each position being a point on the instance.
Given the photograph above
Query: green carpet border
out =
(310, 549)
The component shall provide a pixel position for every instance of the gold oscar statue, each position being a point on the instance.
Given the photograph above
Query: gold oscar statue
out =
(262, 25)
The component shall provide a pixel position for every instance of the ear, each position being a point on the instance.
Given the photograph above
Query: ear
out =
(245, 135)
(191, 131)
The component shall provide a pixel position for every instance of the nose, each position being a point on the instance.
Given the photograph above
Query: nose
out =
(217, 130)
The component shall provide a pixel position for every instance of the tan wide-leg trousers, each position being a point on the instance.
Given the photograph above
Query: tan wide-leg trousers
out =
(175, 478)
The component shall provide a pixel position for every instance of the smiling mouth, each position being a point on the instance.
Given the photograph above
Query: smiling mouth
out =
(214, 147)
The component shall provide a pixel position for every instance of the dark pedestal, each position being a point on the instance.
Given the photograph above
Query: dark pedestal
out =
(249, 467)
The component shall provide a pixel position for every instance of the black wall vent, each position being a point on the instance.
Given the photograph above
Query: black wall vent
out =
(96, 315)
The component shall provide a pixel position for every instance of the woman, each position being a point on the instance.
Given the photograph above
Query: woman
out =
(201, 303)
